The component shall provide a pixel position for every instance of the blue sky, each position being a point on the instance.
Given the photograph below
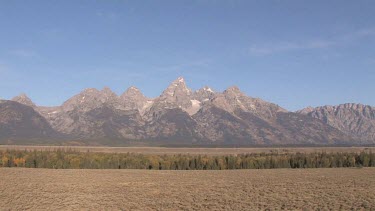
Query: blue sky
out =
(291, 52)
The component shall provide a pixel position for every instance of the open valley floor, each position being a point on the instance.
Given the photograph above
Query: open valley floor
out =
(273, 189)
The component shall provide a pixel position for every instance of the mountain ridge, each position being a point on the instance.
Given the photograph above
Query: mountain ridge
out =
(203, 116)
(355, 119)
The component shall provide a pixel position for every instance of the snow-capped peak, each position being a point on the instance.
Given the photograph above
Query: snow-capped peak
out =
(134, 88)
(178, 86)
(208, 89)
(181, 79)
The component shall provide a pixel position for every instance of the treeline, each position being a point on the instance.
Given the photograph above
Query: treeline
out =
(70, 159)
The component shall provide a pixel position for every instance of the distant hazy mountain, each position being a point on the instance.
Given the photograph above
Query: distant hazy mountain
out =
(356, 120)
(183, 116)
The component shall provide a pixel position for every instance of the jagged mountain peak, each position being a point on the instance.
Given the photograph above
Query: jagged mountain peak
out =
(92, 98)
(233, 100)
(348, 106)
(107, 93)
(365, 111)
(86, 92)
(176, 95)
(24, 99)
(106, 89)
(233, 90)
(354, 106)
(133, 88)
(93, 91)
(23, 95)
(89, 90)
(177, 87)
(133, 99)
(179, 80)
(132, 91)
(206, 89)
(204, 94)
(306, 110)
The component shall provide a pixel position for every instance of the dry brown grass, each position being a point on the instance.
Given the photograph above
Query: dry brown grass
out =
(203, 151)
(301, 189)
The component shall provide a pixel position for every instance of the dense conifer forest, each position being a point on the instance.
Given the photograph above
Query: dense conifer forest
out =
(70, 159)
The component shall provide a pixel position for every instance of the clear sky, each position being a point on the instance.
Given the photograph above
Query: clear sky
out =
(291, 52)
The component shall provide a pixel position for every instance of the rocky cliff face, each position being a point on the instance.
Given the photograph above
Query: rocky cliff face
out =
(234, 117)
(133, 99)
(90, 99)
(180, 115)
(95, 114)
(177, 95)
(356, 120)
(233, 99)
(204, 94)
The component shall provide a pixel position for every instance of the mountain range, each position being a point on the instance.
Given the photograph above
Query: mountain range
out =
(181, 116)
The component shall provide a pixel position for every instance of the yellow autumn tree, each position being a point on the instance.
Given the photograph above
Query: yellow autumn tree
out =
(19, 162)
(4, 161)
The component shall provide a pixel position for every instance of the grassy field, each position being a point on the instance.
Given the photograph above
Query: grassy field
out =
(202, 151)
(276, 189)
